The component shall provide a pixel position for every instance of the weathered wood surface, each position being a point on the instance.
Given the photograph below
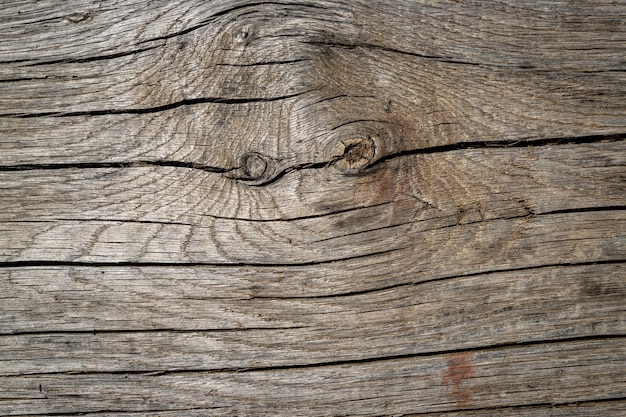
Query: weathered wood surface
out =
(562, 373)
(313, 208)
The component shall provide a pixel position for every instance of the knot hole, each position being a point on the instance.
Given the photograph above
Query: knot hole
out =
(357, 154)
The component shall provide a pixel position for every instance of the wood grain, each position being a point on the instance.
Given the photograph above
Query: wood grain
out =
(559, 373)
(194, 318)
(180, 94)
(163, 214)
(608, 409)
(322, 207)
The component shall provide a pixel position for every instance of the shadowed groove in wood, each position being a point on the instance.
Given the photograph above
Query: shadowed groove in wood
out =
(591, 407)
(157, 109)
(154, 330)
(189, 411)
(318, 165)
(368, 360)
(91, 59)
(17, 264)
(437, 58)
(531, 213)
(538, 406)
(70, 264)
(522, 143)
(451, 277)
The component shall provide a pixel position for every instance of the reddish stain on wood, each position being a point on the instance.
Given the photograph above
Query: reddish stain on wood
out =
(459, 368)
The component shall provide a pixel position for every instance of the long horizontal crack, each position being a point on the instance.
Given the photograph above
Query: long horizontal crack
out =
(439, 58)
(121, 164)
(548, 409)
(566, 140)
(149, 412)
(155, 109)
(264, 63)
(531, 143)
(344, 362)
(52, 263)
(94, 58)
(457, 147)
(529, 214)
(603, 138)
(585, 210)
(140, 331)
(449, 277)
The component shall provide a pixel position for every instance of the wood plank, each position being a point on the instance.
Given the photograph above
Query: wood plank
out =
(391, 27)
(585, 409)
(291, 91)
(471, 183)
(166, 214)
(360, 207)
(488, 245)
(540, 374)
(158, 320)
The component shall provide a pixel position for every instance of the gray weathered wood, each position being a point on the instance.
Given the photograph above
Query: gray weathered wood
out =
(608, 409)
(190, 319)
(164, 214)
(560, 373)
(325, 207)
(556, 74)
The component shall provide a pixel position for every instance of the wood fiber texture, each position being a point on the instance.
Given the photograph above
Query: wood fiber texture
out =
(284, 208)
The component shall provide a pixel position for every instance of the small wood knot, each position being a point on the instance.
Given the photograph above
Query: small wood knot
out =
(253, 165)
(78, 17)
(357, 153)
(242, 34)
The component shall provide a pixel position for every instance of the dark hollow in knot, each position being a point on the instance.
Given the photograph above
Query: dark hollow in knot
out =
(253, 165)
(357, 154)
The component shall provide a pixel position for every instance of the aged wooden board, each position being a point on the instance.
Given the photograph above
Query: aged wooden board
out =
(382, 207)
(236, 326)
(562, 373)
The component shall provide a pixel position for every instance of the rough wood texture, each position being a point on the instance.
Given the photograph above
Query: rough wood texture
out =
(313, 208)
(561, 373)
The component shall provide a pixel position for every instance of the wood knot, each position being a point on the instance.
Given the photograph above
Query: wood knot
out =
(242, 34)
(356, 154)
(253, 167)
(79, 17)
